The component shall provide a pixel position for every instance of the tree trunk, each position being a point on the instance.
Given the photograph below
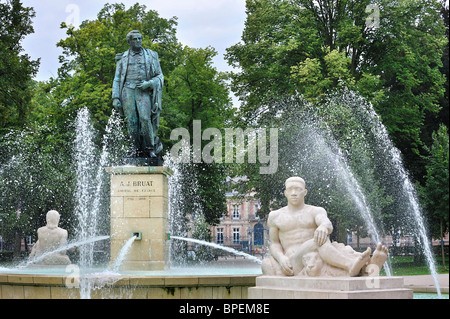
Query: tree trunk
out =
(419, 257)
(17, 245)
(357, 240)
(442, 246)
(17, 237)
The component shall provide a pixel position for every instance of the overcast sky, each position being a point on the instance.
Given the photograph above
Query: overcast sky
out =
(218, 23)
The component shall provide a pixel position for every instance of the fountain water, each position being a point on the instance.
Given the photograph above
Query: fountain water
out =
(85, 157)
(91, 179)
(122, 254)
(177, 208)
(213, 245)
(313, 152)
(90, 182)
(393, 157)
(365, 149)
(338, 166)
(64, 248)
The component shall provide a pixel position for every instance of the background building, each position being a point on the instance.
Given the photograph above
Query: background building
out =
(241, 228)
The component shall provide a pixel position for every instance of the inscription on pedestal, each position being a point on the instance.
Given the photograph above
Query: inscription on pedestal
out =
(136, 185)
(139, 203)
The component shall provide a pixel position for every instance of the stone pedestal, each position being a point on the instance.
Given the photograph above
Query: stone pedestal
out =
(278, 287)
(139, 204)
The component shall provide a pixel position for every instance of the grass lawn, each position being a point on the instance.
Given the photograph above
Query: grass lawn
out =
(405, 266)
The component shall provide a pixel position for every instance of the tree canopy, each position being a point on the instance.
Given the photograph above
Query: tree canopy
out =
(193, 90)
(16, 68)
(313, 47)
(436, 189)
(387, 53)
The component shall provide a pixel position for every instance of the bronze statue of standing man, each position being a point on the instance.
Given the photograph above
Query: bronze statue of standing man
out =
(136, 93)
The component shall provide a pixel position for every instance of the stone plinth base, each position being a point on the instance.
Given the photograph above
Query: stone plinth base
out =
(278, 287)
(139, 204)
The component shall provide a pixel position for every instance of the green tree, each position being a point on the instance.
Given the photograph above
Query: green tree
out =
(444, 112)
(387, 52)
(436, 189)
(314, 47)
(193, 88)
(35, 177)
(332, 149)
(88, 60)
(201, 231)
(407, 58)
(197, 91)
(16, 68)
(274, 40)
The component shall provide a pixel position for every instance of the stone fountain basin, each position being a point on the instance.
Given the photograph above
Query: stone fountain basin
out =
(35, 286)
(178, 283)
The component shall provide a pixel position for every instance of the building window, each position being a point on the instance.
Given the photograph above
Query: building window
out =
(236, 214)
(220, 235)
(256, 210)
(236, 236)
(258, 234)
(349, 238)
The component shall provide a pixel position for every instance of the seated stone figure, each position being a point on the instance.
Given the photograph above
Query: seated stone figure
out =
(50, 237)
(298, 229)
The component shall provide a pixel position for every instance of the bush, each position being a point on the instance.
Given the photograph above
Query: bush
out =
(6, 255)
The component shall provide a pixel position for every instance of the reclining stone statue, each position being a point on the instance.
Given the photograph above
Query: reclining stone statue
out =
(50, 238)
(300, 244)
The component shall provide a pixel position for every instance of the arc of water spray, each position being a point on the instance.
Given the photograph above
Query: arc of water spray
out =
(64, 248)
(122, 254)
(352, 186)
(395, 159)
(228, 249)
(89, 200)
